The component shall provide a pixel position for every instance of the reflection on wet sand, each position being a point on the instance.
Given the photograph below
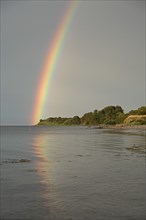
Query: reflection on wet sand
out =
(41, 165)
(43, 169)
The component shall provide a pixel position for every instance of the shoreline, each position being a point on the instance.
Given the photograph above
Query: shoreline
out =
(118, 126)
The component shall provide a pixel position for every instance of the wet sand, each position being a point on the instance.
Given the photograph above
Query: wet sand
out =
(119, 126)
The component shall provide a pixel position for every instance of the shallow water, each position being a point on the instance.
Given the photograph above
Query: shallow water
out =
(72, 173)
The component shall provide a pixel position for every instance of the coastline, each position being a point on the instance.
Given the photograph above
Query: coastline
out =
(118, 126)
(100, 126)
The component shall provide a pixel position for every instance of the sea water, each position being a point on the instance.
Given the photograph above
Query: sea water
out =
(72, 173)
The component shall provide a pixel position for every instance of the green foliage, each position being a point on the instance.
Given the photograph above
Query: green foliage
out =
(120, 117)
(138, 122)
(76, 120)
(87, 118)
(73, 121)
(110, 115)
(52, 121)
(139, 111)
(142, 122)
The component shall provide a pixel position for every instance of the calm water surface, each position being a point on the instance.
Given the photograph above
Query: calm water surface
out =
(72, 173)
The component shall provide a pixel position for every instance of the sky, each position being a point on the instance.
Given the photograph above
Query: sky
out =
(102, 61)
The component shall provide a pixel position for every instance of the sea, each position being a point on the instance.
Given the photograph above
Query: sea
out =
(72, 173)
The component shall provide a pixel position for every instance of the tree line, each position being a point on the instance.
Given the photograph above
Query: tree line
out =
(110, 115)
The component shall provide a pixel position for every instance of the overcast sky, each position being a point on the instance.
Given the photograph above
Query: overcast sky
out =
(102, 61)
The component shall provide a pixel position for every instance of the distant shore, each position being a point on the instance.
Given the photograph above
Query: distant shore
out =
(108, 117)
(102, 126)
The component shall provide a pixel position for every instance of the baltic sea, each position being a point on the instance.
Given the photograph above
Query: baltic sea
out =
(72, 173)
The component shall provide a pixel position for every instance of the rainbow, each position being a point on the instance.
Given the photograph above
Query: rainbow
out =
(51, 60)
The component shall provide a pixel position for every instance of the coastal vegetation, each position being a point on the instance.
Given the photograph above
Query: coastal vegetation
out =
(110, 115)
